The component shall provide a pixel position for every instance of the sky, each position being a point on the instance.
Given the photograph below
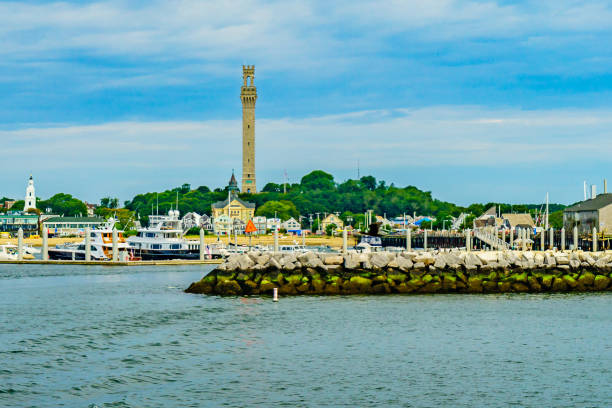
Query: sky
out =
(475, 101)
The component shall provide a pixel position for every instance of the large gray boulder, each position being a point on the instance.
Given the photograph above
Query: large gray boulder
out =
(245, 262)
(379, 260)
(404, 264)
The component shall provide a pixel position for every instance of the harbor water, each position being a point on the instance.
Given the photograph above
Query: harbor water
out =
(96, 336)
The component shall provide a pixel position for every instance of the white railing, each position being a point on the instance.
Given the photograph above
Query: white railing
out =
(491, 240)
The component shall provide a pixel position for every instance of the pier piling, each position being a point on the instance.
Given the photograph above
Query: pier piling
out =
(563, 239)
(275, 240)
(344, 241)
(551, 238)
(542, 239)
(575, 238)
(201, 244)
(88, 244)
(594, 239)
(408, 239)
(45, 244)
(20, 244)
(425, 240)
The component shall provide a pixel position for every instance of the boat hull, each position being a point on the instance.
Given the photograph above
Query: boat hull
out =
(60, 255)
(160, 255)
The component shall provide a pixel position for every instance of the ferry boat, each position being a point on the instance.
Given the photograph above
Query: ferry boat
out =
(101, 246)
(163, 239)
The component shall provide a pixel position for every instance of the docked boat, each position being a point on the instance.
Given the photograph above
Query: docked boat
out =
(163, 239)
(101, 247)
(8, 252)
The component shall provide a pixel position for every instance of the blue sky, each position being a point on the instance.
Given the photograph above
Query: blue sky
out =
(473, 100)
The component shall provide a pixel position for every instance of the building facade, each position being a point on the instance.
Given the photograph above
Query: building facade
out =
(248, 96)
(331, 219)
(589, 214)
(261, 224)
(67, 226)
(11, 222)
(292, 225)
(273, 224)
(225, 212)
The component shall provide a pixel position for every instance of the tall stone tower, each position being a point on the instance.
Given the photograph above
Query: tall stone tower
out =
(30, 197)
(248, 95)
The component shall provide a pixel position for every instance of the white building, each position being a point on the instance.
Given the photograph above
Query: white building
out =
(273, 224)
(291, 225)
(30, 197)
(261, 223)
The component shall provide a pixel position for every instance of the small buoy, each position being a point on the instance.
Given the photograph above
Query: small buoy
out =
(275, 295)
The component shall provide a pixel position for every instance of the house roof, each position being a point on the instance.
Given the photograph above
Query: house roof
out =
(594, 204)
(223, 204)
(75, 219)
(519, 219)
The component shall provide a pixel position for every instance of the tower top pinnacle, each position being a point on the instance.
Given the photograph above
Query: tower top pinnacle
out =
(248, 71)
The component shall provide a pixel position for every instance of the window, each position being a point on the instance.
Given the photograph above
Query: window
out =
(175, 246)
(155, 246)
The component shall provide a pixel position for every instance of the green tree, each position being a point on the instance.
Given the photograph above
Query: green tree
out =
(283, 209)
(64, 204)
(330, 228)
(124, 216)
(18, 206)
(272, 188)
(369, 182)
(109, 202)
(318, 180)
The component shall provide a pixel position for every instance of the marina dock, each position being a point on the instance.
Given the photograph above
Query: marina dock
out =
(111, 263)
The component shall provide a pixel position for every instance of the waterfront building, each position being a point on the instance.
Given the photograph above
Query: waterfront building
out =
(13, 220)
(8, 204)
(30, 196)
(331, 219)
(195, 220)
(292, 226)
(232, 208)
(487, 219)
(514, 221)
(261, 224)
(221, 224)
(66, 226)
(593, 213)
(91, 209)
(273, 224)
(238, 226)
(248, 96)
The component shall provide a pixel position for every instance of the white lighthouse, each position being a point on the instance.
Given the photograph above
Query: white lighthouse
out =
(30, 198)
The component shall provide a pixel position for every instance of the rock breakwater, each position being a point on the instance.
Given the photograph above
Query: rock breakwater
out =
(312, 273)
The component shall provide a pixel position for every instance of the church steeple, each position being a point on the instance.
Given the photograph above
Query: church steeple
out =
(233, 184)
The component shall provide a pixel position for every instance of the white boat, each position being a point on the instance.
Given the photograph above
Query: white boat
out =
(29, 249)
(101, 247)
(8, 252)
(163, 239)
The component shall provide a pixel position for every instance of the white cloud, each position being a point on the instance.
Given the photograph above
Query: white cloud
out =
(282, 34)
(131, 157)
